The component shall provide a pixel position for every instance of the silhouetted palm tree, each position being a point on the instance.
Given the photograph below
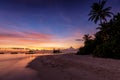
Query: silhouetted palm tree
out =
(98, 12)
(87, 37)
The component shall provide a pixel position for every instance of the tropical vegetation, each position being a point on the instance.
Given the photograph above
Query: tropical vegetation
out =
(99, 13)
(106, 42)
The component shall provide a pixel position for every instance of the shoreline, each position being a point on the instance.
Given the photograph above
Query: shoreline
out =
(74, 67)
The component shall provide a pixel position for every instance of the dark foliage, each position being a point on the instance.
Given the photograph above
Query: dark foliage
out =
(88, 47)
(106, 43)
(99, 13)
(110, 39)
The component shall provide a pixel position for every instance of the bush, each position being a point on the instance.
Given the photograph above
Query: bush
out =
(102, 51)
(107, 50)
(83, 51)
(106, 43)
(87, 49)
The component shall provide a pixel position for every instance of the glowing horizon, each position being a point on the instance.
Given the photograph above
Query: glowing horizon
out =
(46, 24)
(36, 40)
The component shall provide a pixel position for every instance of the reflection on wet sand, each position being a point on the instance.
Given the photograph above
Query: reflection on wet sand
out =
(13, 67)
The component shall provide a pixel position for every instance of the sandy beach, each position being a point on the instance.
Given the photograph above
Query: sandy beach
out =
(74, 67)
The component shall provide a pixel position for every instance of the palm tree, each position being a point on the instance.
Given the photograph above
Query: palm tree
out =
(87, 37)
(99, 13)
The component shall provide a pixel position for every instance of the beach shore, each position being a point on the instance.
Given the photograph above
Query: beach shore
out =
(74, 67)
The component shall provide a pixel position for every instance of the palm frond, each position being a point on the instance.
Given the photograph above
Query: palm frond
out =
(96, 19)
(102, 3)
(107, 9)
(99, 13)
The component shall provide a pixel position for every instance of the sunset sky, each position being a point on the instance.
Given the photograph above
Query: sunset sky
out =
(46, 24)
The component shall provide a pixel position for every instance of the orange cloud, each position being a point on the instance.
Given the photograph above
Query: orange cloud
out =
(11, 38)
(31, 39)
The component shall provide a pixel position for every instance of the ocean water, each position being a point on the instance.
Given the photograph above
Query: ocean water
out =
(13, 67)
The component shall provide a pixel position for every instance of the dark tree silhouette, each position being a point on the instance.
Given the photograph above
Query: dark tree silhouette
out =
(87, 37)
(99, 13)
(106, 43)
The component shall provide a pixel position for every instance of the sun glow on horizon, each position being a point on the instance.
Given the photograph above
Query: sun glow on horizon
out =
(49, 47)
(37, 40)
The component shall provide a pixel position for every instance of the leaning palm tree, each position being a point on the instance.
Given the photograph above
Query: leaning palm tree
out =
(99, 13)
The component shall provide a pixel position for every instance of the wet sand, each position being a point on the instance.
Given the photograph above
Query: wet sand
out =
(74, 67)
(13, 67)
